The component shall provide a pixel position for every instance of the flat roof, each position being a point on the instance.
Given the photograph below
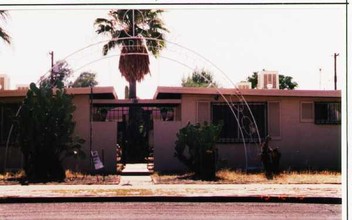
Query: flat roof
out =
(98, 92)
(176, 92)
(138, 102)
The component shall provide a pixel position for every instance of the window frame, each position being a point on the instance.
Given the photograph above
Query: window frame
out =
(279, 118)
(237, 134)
(301, 112)
(327, 121)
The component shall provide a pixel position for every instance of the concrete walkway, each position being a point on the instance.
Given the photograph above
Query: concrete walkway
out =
(136, 175)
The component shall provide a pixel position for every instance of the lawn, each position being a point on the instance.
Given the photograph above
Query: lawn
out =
(237, 177)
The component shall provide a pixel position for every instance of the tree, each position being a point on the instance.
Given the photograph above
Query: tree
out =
(136, 32)
(285, 82)
(45, 133)
(85, 79)
(3, 34)
(253, 79)
(199, 78)
(60, 73)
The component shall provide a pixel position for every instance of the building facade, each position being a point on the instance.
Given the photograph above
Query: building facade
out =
(305, 125)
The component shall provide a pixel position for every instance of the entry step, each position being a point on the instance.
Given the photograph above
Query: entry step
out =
(136, 169)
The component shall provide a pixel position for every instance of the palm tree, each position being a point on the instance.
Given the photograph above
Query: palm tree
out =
(3, 34)
(136, 32)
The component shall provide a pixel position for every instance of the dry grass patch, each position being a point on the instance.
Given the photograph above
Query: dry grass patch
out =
(237, 177)
(11, 176)
(72, 178)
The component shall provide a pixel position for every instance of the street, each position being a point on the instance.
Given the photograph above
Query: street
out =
(156, 210)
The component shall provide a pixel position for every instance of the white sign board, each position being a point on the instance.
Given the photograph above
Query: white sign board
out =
(96, 160)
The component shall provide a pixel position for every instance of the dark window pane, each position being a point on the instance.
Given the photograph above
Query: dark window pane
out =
(238, 123)
(328, 113)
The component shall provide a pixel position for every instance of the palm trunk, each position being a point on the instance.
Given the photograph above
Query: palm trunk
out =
(133, 90)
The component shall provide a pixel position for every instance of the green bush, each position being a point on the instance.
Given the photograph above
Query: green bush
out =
(45, 133)
(195, 147)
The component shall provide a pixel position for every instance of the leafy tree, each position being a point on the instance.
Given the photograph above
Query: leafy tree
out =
(199, 78)
(136, 32)
(253, 79)
(45, 133)
(285, 82)
(85, 79)
(3, 34)
(60, 73)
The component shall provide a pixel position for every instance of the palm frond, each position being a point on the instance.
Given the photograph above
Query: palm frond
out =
(102, 20)
(134, 62)
(134, 58)
(111, 44)
(3, 34)
(3, 14)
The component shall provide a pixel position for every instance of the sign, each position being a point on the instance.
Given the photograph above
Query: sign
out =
(96, 160)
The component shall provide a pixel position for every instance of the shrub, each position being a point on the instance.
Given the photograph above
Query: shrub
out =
(45, 133)
(200, 141)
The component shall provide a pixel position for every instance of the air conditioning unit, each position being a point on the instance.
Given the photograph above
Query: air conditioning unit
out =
(244, 85)
(268, 80)
(4, 82)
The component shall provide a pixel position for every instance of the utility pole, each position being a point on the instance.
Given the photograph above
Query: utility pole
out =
(320, 87)
(52, 65)
(335, 75)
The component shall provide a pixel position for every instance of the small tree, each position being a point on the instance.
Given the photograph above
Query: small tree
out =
(199, 78)
(85, 79)
(286, 82)
(45, 133)
(201, 156)
(253, 79)
(60, 73)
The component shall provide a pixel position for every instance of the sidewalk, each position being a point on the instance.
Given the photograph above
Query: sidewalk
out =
(141, 188)
(130, 190)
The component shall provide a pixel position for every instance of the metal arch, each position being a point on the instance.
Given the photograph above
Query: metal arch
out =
(228, 102)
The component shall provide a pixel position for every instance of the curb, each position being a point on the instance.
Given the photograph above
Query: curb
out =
(257, 199)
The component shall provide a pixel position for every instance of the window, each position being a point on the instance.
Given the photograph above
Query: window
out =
(274, 124)
(238, 123)
(203, 111)
(307, 112)
(327, 112)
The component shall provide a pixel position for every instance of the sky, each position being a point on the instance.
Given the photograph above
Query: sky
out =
(232, 42)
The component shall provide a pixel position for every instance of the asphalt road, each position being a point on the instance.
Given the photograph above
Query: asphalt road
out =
(164, 211)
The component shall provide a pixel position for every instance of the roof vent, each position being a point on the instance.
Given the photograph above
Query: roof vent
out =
(268, 80)
(244, 85)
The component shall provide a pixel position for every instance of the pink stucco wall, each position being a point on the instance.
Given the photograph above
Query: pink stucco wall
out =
(304, 145)
(104, 137)
(104, 141)
(164, 146)
(81, 118)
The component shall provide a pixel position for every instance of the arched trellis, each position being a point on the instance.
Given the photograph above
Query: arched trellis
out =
(237, 94)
